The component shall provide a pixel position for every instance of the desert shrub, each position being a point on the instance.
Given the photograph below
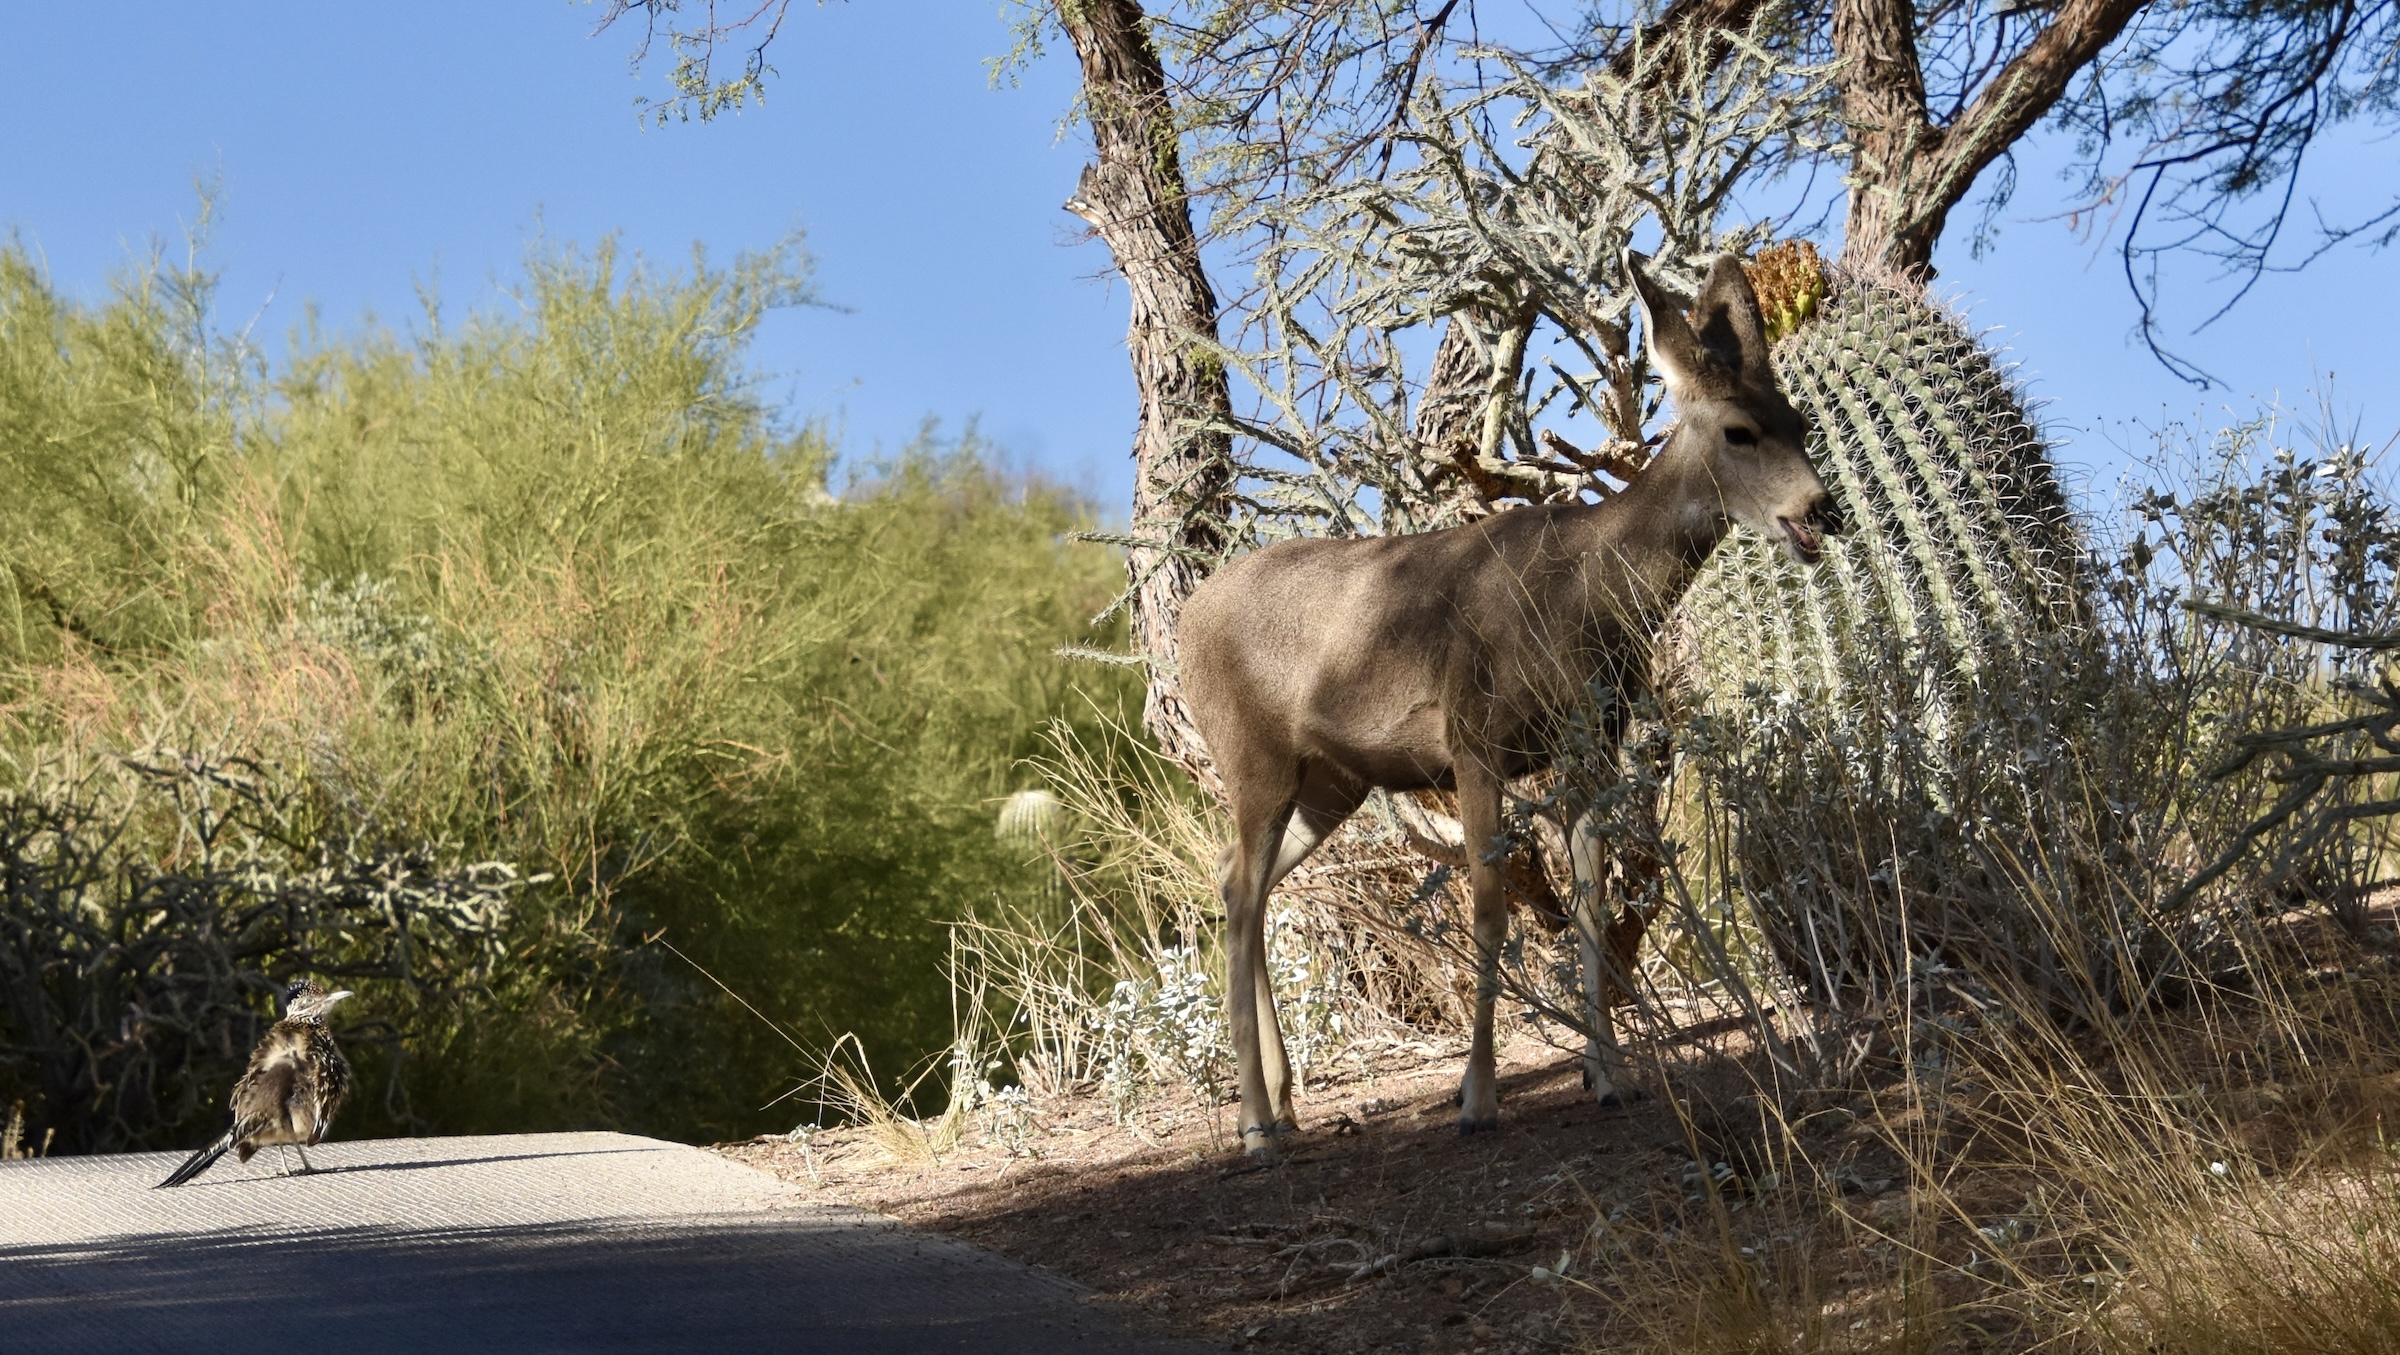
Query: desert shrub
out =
(131, 981)
(552, 587)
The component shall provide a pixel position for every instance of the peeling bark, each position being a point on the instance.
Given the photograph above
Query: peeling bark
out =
(1134, 196)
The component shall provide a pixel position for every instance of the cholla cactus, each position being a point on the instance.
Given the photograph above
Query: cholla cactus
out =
(1503, 228)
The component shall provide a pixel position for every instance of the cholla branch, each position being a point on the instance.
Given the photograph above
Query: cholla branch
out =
(1506, 213)
(2317, 759)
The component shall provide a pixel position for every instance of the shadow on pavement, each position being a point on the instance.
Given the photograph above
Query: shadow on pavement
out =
(784, 1281)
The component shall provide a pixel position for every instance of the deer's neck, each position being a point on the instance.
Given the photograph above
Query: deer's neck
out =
(1656, 534)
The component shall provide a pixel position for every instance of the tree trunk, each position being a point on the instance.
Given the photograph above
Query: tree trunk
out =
(1883, 101)
(1134, 196)
(1908, 173)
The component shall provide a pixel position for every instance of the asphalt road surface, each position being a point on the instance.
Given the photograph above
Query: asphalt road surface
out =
(536, 1242)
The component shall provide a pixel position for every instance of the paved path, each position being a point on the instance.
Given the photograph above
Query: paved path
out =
(537, 1242)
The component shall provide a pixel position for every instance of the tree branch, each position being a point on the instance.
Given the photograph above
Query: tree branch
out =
(1907, 173)
(2024, 91)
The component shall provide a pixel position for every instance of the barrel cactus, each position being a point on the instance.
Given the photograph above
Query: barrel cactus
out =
(1886, 730)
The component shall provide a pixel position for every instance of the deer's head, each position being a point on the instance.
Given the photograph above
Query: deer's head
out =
(1736, 434)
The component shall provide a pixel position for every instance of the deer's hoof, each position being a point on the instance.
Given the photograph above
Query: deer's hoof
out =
(1468, 1124)
(1623, 1096)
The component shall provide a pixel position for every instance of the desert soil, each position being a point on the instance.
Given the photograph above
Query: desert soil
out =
(1383, 1229)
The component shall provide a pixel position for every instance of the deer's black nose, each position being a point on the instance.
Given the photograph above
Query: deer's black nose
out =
(1827, 516)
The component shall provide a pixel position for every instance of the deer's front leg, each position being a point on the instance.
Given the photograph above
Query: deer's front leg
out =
(1275, 1065)
(1479, 816)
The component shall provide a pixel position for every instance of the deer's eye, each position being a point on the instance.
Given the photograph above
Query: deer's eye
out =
(1741, 437)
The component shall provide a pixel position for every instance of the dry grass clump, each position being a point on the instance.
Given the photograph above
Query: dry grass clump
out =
(1114, 980)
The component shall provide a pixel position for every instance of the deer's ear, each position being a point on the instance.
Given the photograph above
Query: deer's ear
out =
(1674, 349)
(1728, 322)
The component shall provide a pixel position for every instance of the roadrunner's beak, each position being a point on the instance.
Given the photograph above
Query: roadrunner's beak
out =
(331, 998)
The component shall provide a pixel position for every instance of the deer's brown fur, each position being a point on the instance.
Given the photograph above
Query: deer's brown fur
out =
(1319, 670)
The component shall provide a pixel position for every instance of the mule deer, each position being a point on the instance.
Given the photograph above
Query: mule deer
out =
(1319, 670)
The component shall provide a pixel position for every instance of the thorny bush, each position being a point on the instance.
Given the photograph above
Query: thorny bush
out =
(155, 906)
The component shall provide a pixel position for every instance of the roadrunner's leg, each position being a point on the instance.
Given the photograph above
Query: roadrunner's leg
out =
(307, 1168)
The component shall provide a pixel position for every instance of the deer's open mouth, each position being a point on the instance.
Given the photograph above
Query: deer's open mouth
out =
(1802, 540)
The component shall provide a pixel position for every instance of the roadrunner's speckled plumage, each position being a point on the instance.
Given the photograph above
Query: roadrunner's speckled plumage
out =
(296, 1081)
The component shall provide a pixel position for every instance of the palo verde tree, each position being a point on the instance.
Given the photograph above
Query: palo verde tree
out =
(2195, 117)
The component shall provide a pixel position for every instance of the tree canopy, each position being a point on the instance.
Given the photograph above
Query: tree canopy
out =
(1387, 167)
(2192, 120)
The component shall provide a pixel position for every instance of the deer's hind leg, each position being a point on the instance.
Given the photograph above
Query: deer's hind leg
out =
(1602, 1059)
(1274, 832)
(1326, 798)
(1244, 874)
(1610, 946)
(1479, 816)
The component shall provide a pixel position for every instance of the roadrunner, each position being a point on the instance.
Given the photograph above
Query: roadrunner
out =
(296, 1081)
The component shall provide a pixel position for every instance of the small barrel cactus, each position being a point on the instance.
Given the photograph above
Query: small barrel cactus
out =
(1879, 725)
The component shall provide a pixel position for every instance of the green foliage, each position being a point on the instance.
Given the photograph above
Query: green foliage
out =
(109, 437)
(549, 588)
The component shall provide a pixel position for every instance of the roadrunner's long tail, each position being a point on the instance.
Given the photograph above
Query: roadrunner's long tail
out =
(200, 1161)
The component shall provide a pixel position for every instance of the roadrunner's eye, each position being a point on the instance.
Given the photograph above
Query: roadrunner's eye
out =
(1741, 437)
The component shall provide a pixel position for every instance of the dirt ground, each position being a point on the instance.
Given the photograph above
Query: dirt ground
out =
(1382, 1230)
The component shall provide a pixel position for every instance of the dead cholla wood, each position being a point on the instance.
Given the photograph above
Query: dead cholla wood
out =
(1134, 196)
(1321, 670)
(1461, 375)
(133, 960)
(1503, 223)
(2319, 762)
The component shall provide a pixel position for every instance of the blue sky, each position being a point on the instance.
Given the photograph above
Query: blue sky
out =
(364, 150)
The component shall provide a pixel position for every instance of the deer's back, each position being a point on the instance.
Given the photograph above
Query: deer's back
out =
(1363, 652)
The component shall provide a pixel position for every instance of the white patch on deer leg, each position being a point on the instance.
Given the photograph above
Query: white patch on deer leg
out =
(1588, 864)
